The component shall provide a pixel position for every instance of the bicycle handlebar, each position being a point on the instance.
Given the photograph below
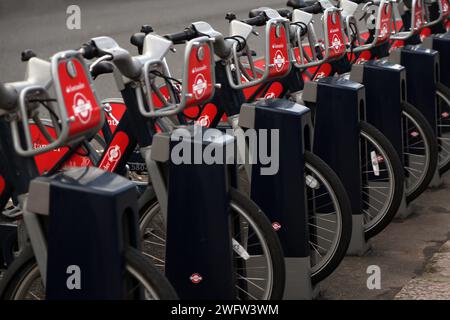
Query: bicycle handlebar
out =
(314, 9)
(8, 97)
(284, 12)
(89, 50)
(181, 37)
(258, 20)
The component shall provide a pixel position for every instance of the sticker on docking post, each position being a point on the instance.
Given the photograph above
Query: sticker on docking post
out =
(196, 278)
(375, 166)
(240, 250)
(276, 226)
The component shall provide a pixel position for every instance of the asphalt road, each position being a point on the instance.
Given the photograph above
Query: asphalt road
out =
(41, 26)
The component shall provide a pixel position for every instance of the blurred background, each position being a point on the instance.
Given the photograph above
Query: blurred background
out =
(41, 26)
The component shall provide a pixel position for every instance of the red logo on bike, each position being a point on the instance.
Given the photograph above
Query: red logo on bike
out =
(445, 7)
(196, 278)
(278, 51)
(385, 23)
(200, 85)
(79, 99)
(336, 43)
(335, 36)
(418, 15)
(276, 226)
(199, 82)
(203, 121)
(82, 107)
(279, 60)
(114, 153)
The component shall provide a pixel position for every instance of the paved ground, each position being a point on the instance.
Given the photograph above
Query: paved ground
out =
(401, 251)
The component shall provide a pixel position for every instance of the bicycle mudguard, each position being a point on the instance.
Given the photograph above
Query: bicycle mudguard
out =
(92, 218)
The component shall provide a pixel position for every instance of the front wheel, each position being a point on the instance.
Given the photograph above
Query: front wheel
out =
(260, 269)
(329, 217)
(382, 180)
(22, 281)
(420, 151)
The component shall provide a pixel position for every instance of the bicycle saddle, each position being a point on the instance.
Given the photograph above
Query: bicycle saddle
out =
(299, 4)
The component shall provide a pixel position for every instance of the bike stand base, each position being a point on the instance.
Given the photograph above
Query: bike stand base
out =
(437, 181)
(298, 279)
(358, 244)
(404, 211)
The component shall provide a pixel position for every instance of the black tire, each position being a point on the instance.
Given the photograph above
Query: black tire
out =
(268, 233)
(345, 212)
(431, 140)
(443, 96)
(25, 264)
(393, 159)
(272, 241)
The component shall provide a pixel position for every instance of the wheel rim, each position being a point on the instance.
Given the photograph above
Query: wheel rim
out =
(378, 184)
(254, 278)
(31, 287)
(324, 219)
(443, 125)
(416, 153)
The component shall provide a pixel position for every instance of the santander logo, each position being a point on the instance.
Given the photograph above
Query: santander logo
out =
(336, 43)
(82, 107)
(114, 153)
(269, 95)
(203, 121)
(279, 60)
(319, 75)
(444, 6)
(384, 30)
(199, 86)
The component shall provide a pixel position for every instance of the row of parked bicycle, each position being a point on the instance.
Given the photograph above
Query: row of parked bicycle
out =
(94, 205)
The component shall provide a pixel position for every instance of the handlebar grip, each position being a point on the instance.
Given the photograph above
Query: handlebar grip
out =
(285, 13)
(314, 9)
(359, 1)
(89, 50)
(183, 36)
(8, 97)
(137, 40)
(259, 20)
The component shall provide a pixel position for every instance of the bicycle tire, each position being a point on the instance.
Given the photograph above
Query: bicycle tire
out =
(254, 212)
(25, 265)
(431, 142)
(341, 196)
